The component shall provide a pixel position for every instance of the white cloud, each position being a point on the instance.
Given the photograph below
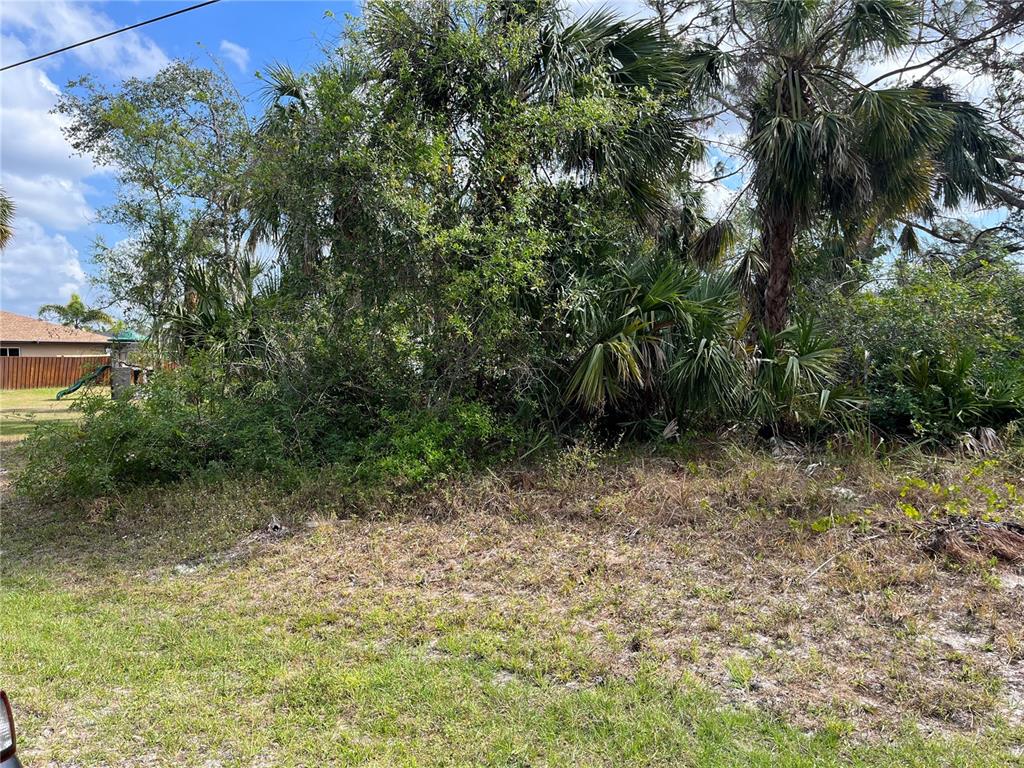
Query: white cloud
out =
(50, 200)
(45, 26)
(717, 199)
(30, 137)
(238, 55)
(38, 268)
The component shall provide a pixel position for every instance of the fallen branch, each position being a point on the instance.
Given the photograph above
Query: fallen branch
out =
(970, 540)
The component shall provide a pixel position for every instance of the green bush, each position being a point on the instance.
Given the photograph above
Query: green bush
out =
(939, 351)
(176, 430)
(416, 447)
(185, 424)
(940, 396)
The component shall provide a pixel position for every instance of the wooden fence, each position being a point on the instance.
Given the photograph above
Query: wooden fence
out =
(33, 372)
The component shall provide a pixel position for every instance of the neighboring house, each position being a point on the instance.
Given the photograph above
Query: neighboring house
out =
(22, 336)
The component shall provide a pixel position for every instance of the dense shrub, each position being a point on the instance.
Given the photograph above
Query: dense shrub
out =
(415, 447)
(184, 426)
(933, 308)
(940, 396)
(175, 431)
(938, 350)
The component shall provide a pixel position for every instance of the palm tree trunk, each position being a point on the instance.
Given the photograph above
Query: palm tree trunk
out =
(780, 232)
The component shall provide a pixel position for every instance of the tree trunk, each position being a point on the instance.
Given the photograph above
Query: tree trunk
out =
(778, 241)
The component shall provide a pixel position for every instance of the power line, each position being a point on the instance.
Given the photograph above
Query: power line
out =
(109, 34)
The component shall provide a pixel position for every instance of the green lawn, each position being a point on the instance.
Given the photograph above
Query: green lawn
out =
(166, 674)
(22, 409)
(170, 628)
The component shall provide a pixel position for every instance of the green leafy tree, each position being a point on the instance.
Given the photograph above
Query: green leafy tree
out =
(178, 143)
(77, 315)
(463, 175)
(936, 325)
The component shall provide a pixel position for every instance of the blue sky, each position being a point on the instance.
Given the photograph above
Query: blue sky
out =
(58, 194)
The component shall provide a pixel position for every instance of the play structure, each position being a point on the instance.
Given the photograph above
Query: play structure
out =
(89, 378)
(123, 374)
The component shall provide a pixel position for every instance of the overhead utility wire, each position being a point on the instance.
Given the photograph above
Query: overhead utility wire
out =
(109, 34)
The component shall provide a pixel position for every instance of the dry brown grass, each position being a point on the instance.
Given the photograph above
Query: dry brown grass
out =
(801, 587)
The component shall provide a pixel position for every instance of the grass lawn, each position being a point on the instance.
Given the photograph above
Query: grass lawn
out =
(647, 614)
(22, 409)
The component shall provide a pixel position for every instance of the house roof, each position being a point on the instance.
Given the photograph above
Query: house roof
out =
(20, 328)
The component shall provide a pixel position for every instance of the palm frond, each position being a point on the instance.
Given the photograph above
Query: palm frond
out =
(795, 378)
(879, 25)
(787, 21)
(705, 68)
(648, 303)
(706, 376)
(908, 240)
(971, 152)
(897, 122)
(711, 245)
(6, 218)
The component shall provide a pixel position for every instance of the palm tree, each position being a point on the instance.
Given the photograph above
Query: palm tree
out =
(567, 56)
(76, 314)
(647, 159)
(6, 219)
(824, 144)
(286, 213)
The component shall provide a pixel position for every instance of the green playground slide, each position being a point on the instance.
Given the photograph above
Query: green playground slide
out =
(88, 378)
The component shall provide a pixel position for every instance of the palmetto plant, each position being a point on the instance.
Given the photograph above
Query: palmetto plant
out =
(670, 341)
(630, 332)
(795, 380)
(822, 143)
(664, 337)
(707, 376)
(947, 397)
(218, 312)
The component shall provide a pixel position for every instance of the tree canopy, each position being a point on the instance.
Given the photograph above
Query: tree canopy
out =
(507, 204)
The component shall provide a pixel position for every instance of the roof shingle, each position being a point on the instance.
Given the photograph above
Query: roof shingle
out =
(20, 328)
